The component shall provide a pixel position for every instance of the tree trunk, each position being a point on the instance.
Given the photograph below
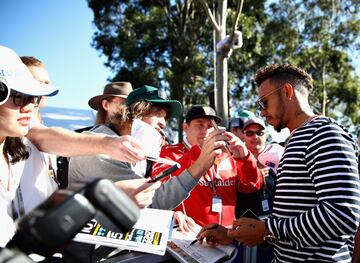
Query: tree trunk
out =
(323, 83)
(221, 82)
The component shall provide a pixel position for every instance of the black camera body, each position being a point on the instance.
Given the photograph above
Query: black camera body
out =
(52, 224)
(113, 203)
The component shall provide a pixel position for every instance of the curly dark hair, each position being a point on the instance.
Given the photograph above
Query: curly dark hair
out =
(284, 73)
(16, 149)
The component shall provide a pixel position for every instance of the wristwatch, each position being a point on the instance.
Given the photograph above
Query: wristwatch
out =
(270, 237)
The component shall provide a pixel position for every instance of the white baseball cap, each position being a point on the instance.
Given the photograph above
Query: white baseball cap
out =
(271, 155)
(16, 76)
(254, 120)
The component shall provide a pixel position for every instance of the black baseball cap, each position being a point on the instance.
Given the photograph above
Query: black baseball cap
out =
(201, 111)
(237, 123)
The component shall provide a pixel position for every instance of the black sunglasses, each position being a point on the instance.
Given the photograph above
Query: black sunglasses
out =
(263, 104)
(21, 99)
(252, 133)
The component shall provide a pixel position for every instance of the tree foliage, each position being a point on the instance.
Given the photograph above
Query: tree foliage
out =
(161, 43)
(321, 36)
(170, 44)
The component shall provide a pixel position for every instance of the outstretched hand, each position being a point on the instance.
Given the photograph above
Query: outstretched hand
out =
(125, 148)
(186, 223)
(139, 190)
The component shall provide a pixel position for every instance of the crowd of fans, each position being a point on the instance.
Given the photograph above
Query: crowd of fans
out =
(307, 193)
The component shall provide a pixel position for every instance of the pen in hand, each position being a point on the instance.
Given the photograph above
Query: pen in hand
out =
(201, 238)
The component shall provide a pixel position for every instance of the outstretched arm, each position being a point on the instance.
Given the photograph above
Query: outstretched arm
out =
(64, 142)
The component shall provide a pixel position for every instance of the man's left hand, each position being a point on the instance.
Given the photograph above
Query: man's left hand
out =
(248, 231)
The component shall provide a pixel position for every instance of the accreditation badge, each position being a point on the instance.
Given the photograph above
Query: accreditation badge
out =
(265, 205)
(216, 204)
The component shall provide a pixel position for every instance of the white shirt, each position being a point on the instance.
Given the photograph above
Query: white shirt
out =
(7, 195)
(36, 184)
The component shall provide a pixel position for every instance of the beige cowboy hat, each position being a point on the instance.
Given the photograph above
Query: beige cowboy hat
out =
(114, 89)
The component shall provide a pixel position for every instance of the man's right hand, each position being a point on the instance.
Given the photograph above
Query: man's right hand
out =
(211, 148)
(214, 234)
(139, 190)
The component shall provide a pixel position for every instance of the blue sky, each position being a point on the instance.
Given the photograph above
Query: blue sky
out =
(59, 33)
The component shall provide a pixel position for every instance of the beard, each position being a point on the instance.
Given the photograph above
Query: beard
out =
(281, 117)
(279, 127)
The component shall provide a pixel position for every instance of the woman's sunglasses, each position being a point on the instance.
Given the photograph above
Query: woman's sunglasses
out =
(19, 99)
(252, 133)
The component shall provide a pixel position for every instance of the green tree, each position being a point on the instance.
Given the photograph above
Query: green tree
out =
(170, 44)
(161, 43)
(321, 36)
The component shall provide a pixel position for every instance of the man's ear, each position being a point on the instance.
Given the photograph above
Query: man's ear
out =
(289, 91)
(104, 104)
(185, 126)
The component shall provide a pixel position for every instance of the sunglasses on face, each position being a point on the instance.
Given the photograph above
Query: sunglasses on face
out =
(252, 133)
(264, 103)
(21, 100)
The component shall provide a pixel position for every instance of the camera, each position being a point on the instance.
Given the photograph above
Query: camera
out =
(113, 203)
(53, 224)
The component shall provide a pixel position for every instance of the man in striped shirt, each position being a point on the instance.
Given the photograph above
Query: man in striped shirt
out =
(317, 199)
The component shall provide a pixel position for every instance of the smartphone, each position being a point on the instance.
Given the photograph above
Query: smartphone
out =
(165, 173)
(216, 127)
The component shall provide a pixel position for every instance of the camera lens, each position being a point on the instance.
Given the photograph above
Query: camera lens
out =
(4, 92)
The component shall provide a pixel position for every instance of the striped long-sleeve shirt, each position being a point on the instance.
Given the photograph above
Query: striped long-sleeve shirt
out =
(317, 199)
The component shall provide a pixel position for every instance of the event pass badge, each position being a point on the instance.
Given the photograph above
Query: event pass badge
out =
(216, 204)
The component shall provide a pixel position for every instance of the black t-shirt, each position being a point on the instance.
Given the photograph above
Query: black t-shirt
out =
(260, 202)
